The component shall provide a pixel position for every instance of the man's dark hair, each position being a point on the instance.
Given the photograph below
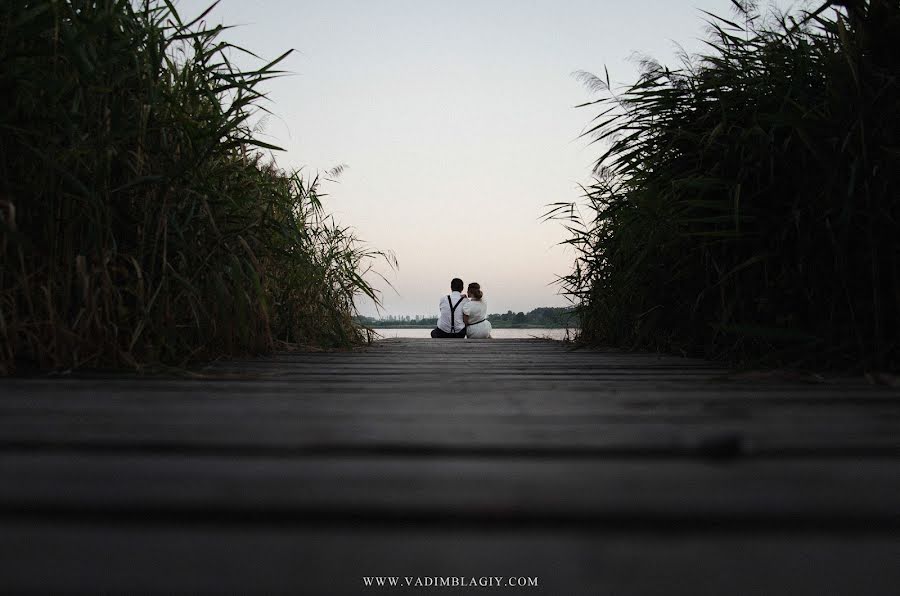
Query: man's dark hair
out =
(456, 284)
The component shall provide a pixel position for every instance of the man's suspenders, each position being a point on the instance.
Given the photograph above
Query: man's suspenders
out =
(453, 310)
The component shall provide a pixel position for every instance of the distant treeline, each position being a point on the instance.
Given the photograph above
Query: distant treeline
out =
(140, 221)
(746, 207)
(544, 317)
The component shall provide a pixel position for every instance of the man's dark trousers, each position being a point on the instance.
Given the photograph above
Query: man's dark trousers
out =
(438, 333)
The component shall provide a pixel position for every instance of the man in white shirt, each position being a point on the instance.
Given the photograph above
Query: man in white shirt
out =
(450, 321)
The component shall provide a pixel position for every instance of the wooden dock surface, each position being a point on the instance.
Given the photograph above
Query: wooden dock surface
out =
(596, 472)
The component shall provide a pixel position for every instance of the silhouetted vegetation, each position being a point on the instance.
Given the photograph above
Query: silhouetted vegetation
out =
(545, 316)
(139, 221)
(746, 207)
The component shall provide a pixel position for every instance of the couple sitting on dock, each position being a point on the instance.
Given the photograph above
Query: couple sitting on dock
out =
(462, 315)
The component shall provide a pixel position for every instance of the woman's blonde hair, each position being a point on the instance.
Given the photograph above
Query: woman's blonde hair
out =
(475, 290)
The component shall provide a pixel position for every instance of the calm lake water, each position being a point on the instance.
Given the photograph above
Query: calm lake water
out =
(558, 334)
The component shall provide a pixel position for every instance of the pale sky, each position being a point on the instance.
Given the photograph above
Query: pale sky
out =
(456, 122)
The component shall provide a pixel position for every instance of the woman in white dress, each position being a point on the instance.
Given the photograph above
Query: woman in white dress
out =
(475, 314)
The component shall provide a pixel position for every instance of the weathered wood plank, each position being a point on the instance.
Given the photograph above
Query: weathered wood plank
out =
(233, 415)
(436, 434)
(116, 557)
(668, 492)
(622, 388)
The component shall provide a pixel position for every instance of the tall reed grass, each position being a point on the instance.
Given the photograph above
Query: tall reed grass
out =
(746, 206)
(140, 222)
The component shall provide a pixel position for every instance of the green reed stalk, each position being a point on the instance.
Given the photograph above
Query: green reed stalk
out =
(746, 205)
(139, 222)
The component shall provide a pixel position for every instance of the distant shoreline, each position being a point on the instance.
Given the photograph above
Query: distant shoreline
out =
(542, 317)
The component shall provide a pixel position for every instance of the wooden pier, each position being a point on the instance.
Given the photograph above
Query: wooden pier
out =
(596, 472)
